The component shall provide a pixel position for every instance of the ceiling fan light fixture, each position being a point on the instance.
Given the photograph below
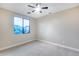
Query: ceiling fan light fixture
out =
(37, 9)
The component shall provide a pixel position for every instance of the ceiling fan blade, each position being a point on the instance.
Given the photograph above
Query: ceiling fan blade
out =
(28, 12)
(33, 11)
(37, 4)
(30, 6)
(40, 11)
(44, 7)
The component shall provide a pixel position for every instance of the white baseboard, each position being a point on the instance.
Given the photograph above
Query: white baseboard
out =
(60, 45)
(17, 44)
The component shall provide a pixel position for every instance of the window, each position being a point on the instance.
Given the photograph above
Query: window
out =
(21, 26)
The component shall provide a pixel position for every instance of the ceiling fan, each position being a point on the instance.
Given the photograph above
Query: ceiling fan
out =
(37, 8)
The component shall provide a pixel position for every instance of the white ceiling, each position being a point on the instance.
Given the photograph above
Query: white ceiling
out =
(23, 8)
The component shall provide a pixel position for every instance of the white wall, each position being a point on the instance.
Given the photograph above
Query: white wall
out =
(61, 27)
(7, 37)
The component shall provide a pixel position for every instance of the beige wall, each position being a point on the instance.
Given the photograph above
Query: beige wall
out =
(7, 37)
(61, 27)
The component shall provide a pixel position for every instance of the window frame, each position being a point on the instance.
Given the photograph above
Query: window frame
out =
(22, 24)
